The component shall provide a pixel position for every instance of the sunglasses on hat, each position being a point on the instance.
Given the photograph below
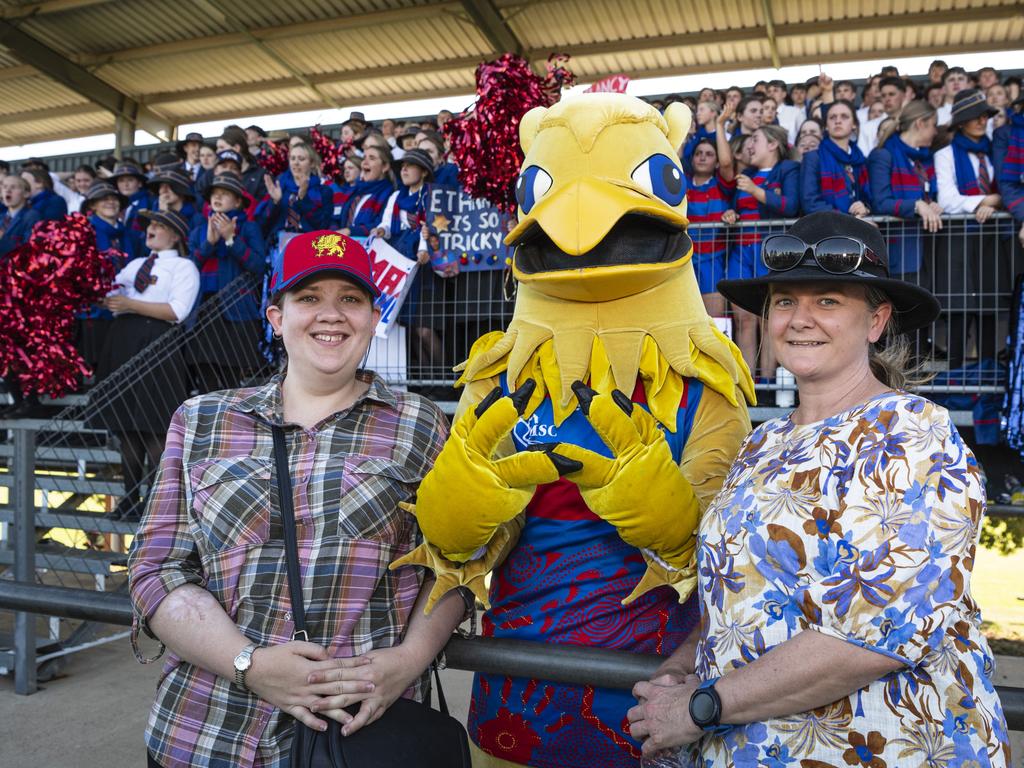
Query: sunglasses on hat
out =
(839, 255)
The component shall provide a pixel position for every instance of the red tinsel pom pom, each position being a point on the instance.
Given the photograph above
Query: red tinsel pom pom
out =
(485, 139)
(274, 158)
(331, 157)
(43, 283)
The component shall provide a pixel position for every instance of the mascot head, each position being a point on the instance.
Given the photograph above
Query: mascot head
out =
(602, 198)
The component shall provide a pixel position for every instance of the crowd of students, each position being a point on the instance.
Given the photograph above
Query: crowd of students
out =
(897, 147)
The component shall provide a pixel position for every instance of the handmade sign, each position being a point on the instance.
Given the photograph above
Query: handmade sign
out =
(466, 230)
(393, 274)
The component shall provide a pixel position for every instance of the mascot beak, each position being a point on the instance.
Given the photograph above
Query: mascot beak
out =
(579, 215)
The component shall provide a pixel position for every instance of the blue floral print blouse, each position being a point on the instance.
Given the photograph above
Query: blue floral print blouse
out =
(863, 527)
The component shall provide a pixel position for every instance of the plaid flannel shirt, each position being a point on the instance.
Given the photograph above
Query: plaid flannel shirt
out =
(213, 520)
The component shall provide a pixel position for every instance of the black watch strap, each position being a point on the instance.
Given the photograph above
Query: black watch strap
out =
(706, 706)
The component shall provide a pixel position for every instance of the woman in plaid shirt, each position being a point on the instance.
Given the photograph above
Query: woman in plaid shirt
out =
(207, 569)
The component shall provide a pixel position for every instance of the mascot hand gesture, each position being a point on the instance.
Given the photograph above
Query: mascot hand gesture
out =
(641, 491)
(466, 474)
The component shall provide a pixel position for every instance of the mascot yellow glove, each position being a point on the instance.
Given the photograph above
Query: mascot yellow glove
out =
(641, 491)
(468, 494)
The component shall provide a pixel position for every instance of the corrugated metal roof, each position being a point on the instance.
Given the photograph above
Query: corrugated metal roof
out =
(190, 60)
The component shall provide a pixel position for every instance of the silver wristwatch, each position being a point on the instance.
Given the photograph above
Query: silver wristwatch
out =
(242, 663)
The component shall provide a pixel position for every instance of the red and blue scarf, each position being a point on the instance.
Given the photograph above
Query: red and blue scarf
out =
(360, 222)
(905, 181)
(844, 175)
(966, 177)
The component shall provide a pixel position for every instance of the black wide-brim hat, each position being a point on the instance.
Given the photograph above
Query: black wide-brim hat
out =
(419, 158)
(127, 169)
(98, 190)
(915, 307)
(190, 138)
(173, 220)
(229, 181)
(178, 181)
(969, 104)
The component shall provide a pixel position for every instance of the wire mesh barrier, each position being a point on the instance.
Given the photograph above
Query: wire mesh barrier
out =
(92, 463)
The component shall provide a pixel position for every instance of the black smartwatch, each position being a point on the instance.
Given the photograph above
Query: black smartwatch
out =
(706, 706)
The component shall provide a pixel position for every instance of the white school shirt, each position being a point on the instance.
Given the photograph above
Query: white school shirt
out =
(175, 281)
(790, 118)
(944, 114)
(945, 175)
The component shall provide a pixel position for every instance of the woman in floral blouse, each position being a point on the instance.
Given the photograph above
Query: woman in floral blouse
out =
(842, 541)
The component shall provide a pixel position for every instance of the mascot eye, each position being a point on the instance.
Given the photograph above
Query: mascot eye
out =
(660, 176)
(532, 185)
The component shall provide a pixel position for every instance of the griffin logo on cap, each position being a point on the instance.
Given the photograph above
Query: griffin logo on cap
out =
(329, 245)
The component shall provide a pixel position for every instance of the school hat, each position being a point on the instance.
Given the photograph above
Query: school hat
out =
(189, 139)
(355, 117)
(969, 104)
(418, 158)
(97, 191)
(324, 250)
(127, 169)
(229, 154)
(173, 220)
(226, 180)
(179, 182)
(915, 307)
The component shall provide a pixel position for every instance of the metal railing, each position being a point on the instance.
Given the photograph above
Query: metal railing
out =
(574, 665)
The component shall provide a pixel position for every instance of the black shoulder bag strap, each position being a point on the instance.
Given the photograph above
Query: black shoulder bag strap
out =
(291, 547)
(285, 501)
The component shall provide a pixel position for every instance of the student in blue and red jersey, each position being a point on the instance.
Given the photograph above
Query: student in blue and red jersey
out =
(709, 191)
(224, 245)
(1008, 158)
(131, 182)
(768, 189)
(104, 205)
(835, 175)
(48, 204)
(363, 211)
(342, 191)
(297, 200)
(970, 271)
(902, 174)
(18, 217)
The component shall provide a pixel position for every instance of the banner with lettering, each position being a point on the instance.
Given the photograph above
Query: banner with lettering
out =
(393, 274)
(613, 84)
(467, 231)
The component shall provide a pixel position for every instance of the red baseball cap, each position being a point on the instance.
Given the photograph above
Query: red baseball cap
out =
(313, 252)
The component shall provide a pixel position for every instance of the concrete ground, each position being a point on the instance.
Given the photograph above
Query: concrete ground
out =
(93, 716)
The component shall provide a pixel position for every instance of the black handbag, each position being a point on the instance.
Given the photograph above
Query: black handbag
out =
(408, 735)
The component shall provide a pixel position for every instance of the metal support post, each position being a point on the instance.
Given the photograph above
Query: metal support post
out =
(23, 501)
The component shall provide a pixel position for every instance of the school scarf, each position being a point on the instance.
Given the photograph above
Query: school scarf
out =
(966, 178)
(340, 194)
(409, 209)
(837, 167)
(295, 221)
(906, 181)
(368, 216)
(1013, 163)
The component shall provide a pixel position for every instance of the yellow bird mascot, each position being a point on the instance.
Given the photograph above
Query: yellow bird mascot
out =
(591, 434)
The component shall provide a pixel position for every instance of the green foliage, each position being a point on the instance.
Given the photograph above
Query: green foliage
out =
(1002, 534)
